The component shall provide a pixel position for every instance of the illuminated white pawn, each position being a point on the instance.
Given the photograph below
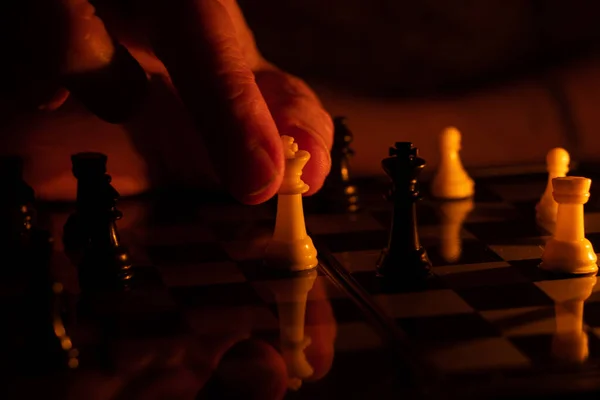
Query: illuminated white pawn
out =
(290, 247)
(568, 251)
(557, 164)
(451, 181)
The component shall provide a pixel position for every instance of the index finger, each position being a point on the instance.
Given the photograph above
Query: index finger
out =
(196, 40)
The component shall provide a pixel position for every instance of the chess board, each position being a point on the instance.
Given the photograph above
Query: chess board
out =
(490, 323)
(200, 288)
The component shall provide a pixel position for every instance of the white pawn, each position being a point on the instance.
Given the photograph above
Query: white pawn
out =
(557, 164)
(291, 248)
(568, 251)
(451, 180)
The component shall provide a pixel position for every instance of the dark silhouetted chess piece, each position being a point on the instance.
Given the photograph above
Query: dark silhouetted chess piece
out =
(339, 194)
(404, 258)
(34, 305)
(90, 237)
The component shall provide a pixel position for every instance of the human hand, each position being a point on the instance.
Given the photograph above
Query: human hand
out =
(239, 102)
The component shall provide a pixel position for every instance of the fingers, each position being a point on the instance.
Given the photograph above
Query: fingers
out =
(63, 48)
(102, 74)
(298, 113)
(197, 43)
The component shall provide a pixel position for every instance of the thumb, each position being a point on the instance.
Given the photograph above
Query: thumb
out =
(197, 43)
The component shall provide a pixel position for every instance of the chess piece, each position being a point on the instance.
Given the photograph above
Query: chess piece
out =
(452, 217)
(451, 181)
(291, 248)
(557, 164)
(339, 194)
(17, 212)
(90, 234)
(570, 341)
(291, 296)
(404, 258)
(568, 251)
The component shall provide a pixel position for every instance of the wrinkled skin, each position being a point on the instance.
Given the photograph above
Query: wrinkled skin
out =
(214, 111)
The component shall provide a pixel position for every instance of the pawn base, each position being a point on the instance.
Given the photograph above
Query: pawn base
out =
(409, 266)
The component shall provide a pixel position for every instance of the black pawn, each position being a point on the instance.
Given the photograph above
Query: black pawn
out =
(90, 237)
(404, 258)
(339, 194)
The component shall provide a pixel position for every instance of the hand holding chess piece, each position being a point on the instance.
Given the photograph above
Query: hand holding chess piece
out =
(568, 251)
(291, 248)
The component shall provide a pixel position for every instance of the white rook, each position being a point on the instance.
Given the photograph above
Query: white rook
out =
(568, 251)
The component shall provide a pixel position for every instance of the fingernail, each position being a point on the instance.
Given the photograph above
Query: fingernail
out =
(255, 177)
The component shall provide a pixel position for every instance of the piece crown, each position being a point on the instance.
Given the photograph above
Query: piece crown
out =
(403, 149)
(295, 160)
(571, 189)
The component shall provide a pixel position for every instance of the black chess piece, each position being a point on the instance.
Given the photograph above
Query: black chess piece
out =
(90, 237)
(339, 194)
(27, 248)
(16, 206)
(404, 258)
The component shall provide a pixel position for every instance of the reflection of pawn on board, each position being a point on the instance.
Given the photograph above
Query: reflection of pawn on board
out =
(557, 164)
(291, 248)
(570, 341)
(452, 217)
(451, 181)
(568, 251)
(291, 295)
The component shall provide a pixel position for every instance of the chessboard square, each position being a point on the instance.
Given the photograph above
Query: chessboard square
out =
(176, 235)
(231, 294)
(447, 328)
(344, 310)
(524, 251)
(479, 354)
(352, 241)
(591, 314)
(571, 289)
(471, 252)
(318, 224)
(522, 321)
(422, 304)
(353, 336)
(201, 274)
(528, 191)
(356, 261)
(166, 255)
(569, 350)
(484, 194)
(531, 269)
(498, 297)
(492, 211)
(537, 348)
(231, 319)
(431, 234)
(323, 289)
(502, 274)
(490, 232)
(373, 284)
